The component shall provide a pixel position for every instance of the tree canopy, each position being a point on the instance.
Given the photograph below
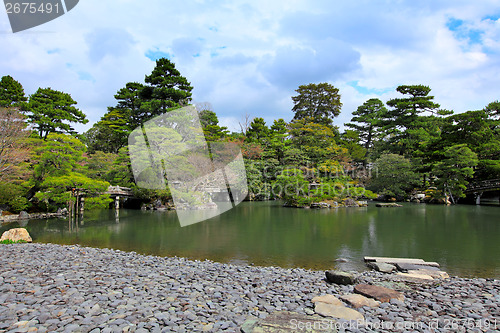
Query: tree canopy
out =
(319, 102)
(52, 111)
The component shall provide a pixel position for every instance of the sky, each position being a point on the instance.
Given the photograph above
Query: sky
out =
(249, 57)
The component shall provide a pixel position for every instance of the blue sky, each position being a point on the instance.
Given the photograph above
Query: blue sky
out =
(248, 57)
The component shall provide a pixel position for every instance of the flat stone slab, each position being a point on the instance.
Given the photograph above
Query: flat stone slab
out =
(378, 293)
(329, 299)
(388, 204)
(437, 274)
(411, 276)
(339, 277)
(404, 267)
(357, 301)
(395, 261)
(338, 312)
(284, 321)
(382, 267)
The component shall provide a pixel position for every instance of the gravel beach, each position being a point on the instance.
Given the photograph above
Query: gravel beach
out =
(54, 288)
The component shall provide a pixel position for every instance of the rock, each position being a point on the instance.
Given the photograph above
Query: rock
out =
(284, 321)
(381, 267)
(388, 204)
(350, 203)
(329, 299)
(16, 234)
(339, 277)
(320, 205)
(357, 301)
(379, 293)
(337, 311)
(23, 215)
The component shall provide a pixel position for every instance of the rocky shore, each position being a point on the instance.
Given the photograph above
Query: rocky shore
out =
(53, 288)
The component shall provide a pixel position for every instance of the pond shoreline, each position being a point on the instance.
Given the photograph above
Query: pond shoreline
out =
(82, 289)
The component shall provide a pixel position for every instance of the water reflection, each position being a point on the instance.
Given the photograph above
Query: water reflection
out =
(462, 238)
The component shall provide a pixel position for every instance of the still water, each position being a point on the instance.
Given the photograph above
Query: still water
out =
(465, 240)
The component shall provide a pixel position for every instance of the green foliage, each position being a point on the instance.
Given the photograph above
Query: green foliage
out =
(210, 125)
(10, 241)
(393, 176)
(293, 187)
(319, 102)
(57, 190)
(315, 140)
(167, 89)
(455, 169)
(11, 92)
(51, 111)
(58, 156)
(367, 122)
(258, 132)
(13, 195)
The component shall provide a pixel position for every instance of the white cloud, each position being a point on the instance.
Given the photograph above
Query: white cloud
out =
(249, 57)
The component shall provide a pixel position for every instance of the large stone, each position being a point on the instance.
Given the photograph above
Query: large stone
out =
(337, 311)
(284, 321)
(329, 299)
(24, 215)
(378, 293)
(381, 267)
(16, 234)
(339, 277)
(357, 301)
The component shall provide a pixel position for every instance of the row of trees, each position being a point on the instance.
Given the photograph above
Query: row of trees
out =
(390, 148)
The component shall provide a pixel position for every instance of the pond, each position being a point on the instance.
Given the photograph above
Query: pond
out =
(463, 239)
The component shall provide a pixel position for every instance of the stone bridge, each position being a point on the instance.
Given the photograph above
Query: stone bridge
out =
(478, 188)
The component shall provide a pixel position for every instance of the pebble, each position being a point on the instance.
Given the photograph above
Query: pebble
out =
(54, 288)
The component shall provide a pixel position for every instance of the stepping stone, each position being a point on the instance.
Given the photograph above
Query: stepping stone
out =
(357, 301)
(410, 276)
(284, 321)
(339, 277)
(435, 274)
(336, 311)
(379, 293)
(404, 267)
(381, 267)
(395, 261)
(329, 299)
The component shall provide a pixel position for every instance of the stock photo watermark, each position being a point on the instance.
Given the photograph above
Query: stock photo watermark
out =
(455, 325)
(26, 14)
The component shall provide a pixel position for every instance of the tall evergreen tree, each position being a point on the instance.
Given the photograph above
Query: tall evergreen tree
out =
(11, 92)
(319, 102)
(166, 89)
(367, 122)
(52, 111)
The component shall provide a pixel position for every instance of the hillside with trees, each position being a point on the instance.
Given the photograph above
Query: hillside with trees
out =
(392, 150)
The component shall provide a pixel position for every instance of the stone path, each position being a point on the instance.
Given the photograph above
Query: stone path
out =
(52, 288)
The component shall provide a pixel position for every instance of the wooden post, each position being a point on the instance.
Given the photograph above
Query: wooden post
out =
(82, 202)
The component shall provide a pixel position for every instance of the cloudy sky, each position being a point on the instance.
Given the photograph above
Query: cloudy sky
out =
(249, 57)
